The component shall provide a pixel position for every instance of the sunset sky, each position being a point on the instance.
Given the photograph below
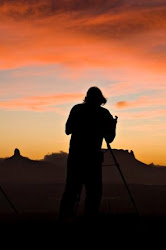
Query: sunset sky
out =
(52, 51)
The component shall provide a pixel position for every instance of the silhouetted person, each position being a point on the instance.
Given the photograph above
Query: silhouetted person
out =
(88, 123)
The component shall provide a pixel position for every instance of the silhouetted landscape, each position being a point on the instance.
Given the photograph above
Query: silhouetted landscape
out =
(94, 71)
(36, 187)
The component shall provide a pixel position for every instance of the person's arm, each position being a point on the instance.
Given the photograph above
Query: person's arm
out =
(110, 128)
(69, 123)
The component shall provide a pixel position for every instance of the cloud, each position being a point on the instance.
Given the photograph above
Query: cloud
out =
(122, 104)
(44, 7)
(82, 33)
(124, 38)
(143, 101)
(41, 103)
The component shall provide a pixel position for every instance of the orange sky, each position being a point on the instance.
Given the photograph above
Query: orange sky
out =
(53, 51)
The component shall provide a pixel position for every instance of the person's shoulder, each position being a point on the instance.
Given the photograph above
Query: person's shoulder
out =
(105, 111)
(77, 107)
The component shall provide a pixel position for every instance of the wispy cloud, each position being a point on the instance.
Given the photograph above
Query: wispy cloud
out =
(40, 103)
(80, 33)
(143, 101)
(63, 46)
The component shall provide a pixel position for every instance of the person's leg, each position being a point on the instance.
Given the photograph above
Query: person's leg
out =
(72, 191)
(93, 187)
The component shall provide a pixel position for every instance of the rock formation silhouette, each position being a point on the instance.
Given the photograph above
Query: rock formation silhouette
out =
(52, 167)
(17, 153)
(17, 158)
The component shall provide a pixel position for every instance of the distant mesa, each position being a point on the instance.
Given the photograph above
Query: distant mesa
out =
(53, 167)
(132, 153)
(152, 164)
(122, 152)
(18, 160)
(127, 151)
(17, 153)
(17, 157)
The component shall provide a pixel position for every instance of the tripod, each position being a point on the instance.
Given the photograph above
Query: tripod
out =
(10, 203)
(124, 181)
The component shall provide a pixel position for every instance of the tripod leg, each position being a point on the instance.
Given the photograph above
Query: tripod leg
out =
(11, 204)
(128, 190)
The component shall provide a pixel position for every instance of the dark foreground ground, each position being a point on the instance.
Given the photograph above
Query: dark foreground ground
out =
(44, 230)
(36, 225)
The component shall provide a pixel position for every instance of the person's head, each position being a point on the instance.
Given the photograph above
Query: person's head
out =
(94, 96)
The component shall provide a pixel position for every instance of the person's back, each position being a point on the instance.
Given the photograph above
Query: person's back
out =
(88, 123)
